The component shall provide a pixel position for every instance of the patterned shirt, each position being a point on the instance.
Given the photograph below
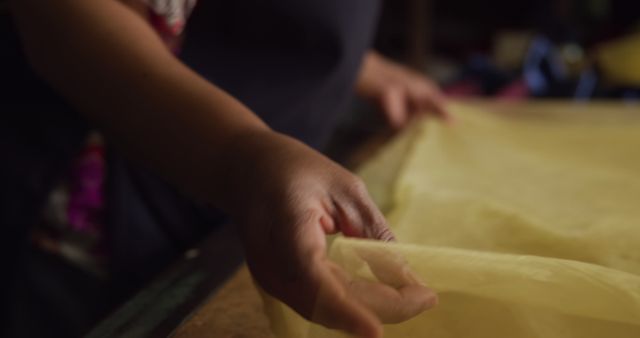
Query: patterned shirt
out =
(169, 18)
(73, 219)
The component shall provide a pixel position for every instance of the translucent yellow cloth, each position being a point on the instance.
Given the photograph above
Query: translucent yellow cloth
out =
(525, 218)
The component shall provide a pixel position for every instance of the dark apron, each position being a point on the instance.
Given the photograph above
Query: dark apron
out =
(293, 62)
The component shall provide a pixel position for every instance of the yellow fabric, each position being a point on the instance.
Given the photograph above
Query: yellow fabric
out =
(619, 60)
(525, 218)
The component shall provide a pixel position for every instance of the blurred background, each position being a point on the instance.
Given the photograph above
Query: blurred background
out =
(582, 49)
(507, 50)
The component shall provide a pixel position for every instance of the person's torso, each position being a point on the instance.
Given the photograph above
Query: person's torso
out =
(292, 61)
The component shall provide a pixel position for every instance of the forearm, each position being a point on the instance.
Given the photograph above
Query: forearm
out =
(112, 66)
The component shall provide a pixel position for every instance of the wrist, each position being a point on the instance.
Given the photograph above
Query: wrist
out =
(251, 165)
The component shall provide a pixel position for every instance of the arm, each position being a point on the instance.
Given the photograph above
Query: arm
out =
(113, 67)
(283, 196)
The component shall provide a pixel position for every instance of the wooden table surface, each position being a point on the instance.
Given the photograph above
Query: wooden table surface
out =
(235, 310)
(201, 275)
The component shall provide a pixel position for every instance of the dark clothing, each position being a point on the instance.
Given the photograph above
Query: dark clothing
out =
(293, 62)
(297, 60)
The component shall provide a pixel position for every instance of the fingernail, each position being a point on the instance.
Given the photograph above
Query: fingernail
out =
(432, 300)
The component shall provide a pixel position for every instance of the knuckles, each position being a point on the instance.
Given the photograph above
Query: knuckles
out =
(356, 188)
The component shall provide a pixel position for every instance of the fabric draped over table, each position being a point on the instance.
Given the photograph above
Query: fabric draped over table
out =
(525, 219)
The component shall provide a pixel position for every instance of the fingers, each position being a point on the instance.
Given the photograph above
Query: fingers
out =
(399, 297)
(400, 91)
(375, 226)
(394, 105)
(311, 284)
(388, 266)
(299, 274)
(358, 216)
(402, 296)
(426, 96)
(393, 305)
(335, 306)
(417, 95)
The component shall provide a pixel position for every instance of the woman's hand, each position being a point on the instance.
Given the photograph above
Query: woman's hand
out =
(400, 92)
(287, 199)
(284, 196)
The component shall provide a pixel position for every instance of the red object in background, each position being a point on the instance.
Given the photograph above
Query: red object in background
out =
(86, 197)
(516, 90)
(463, 88)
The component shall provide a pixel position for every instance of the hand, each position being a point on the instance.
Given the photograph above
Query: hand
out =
(400, 92)
(288, 197)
